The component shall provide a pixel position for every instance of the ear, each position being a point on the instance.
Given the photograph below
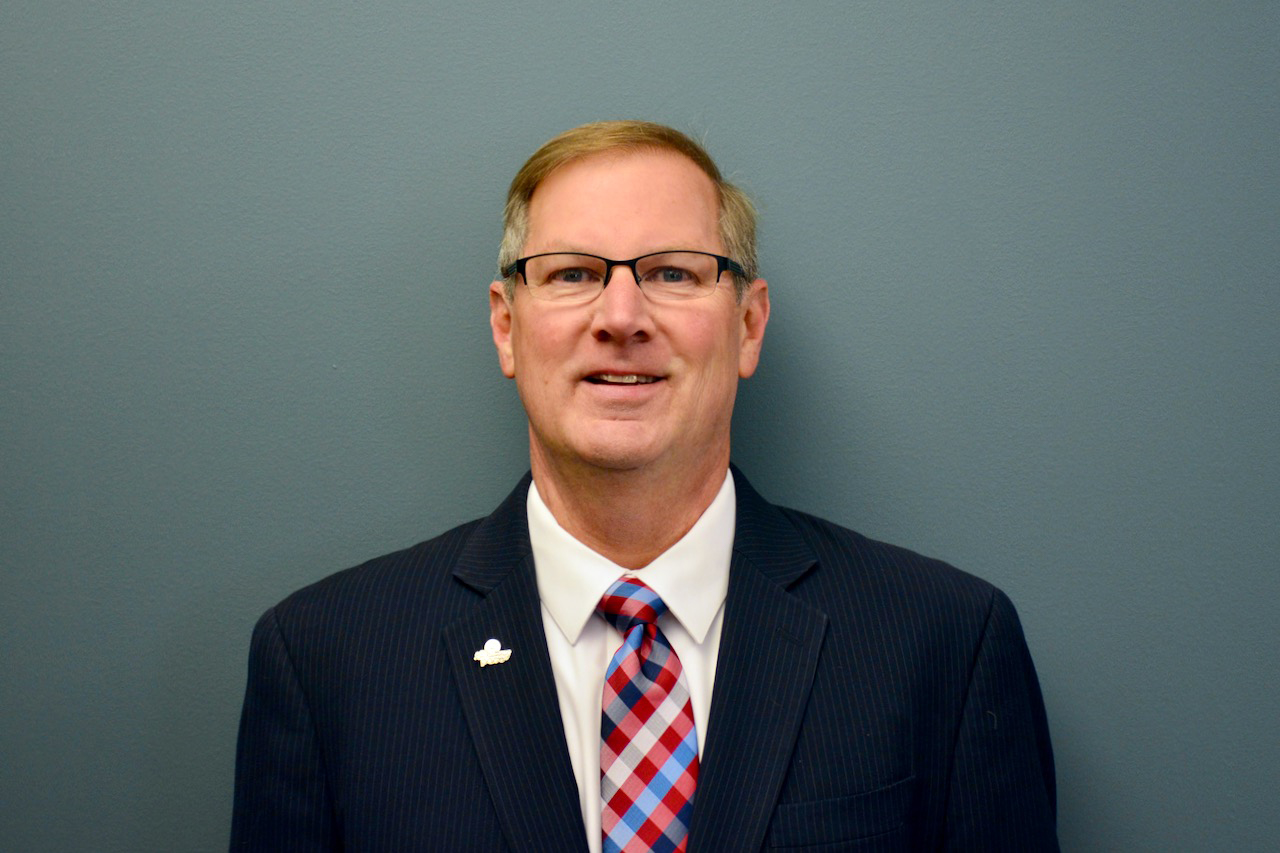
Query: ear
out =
(754, 309)
(500, 321)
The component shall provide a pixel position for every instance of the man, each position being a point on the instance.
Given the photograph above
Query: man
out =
(636, 651)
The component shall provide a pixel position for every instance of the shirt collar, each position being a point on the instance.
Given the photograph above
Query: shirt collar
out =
(692, 576)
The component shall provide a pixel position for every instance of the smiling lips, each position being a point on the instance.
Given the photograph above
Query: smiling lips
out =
(621, 379)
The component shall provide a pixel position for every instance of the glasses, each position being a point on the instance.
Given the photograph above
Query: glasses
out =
(573, 277)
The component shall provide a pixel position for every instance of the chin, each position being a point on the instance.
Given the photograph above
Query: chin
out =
(617, 450)
(614, 458)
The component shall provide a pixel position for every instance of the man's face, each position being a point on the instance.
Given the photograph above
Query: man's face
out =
(689, 353)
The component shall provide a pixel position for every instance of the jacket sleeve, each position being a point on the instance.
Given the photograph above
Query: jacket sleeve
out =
(282, 800)
(1002, 790)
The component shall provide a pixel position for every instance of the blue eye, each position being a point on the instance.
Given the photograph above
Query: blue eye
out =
(572, 275)
(669, 274)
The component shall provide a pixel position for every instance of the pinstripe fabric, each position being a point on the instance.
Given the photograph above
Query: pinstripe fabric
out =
(364, 728)
(866, 698)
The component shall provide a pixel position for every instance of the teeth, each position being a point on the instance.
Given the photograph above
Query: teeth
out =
(624, 379)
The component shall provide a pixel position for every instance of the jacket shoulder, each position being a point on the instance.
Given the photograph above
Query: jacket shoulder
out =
(850, 563)
(419, 574)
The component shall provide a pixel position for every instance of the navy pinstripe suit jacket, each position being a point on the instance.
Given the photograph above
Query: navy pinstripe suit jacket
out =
(867, 698)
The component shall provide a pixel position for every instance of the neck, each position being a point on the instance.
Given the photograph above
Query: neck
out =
(631, 516)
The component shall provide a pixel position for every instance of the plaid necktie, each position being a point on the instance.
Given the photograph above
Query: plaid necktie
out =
(648, 747)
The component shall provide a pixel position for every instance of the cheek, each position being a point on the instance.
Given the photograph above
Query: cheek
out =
(715, 363)
(540, 355)
(721, 349)
(700, 336)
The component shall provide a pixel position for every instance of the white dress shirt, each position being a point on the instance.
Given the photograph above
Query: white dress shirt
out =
(692, 577)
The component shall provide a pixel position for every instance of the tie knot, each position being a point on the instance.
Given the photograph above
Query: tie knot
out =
(629, 602)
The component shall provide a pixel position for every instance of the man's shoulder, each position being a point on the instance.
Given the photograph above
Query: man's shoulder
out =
(420, 575)
(480, 551)
(848, 563)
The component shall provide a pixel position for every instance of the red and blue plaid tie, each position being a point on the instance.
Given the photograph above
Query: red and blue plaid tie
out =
(648, 746)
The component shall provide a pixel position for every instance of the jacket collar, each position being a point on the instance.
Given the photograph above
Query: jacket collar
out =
(499, 543)
(767, 538)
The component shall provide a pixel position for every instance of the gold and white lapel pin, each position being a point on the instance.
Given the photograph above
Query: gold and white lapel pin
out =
(492, 653)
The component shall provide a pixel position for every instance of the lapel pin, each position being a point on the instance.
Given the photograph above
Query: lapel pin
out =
(493, 652)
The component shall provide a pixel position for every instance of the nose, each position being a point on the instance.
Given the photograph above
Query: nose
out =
(621, 311)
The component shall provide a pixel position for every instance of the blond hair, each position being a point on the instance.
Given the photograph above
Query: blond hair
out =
(737, 214)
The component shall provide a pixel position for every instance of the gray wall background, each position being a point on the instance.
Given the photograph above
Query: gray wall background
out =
(1023, 260)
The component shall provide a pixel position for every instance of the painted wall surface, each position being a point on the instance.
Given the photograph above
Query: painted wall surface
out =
(1023, 260)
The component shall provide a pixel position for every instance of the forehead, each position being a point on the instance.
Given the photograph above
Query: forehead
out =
(628, 202)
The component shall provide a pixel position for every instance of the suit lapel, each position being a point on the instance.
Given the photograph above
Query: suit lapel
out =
(512, 709)
(768, 656)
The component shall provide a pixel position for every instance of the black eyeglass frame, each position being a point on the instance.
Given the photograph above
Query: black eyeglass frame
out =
(723, 264)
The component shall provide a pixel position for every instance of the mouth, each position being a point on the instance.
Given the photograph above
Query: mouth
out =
(621, 379)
